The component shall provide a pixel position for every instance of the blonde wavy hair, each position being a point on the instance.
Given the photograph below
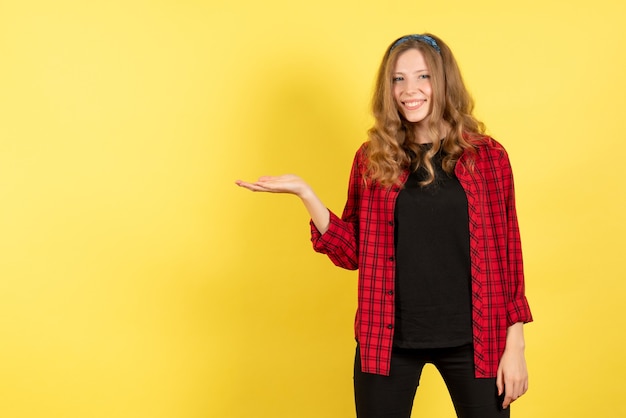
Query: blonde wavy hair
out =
(391, 147)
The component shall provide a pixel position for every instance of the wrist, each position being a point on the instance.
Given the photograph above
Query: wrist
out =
(515, 345)
(515, 337)
(306, 193)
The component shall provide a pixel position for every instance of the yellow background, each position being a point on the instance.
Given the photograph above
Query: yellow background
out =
(136, 280)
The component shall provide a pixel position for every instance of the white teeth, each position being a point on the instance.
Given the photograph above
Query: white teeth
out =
(412, 104)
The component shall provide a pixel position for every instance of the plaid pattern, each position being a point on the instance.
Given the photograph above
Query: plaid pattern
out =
(363, 239)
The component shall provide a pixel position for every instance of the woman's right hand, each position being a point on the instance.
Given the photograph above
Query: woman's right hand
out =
(287, 183)
(292, 184)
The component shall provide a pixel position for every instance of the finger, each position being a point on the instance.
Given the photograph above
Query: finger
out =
(509, 390)
(242, 183)
(513, 390)
(263, 179)
(520, 386)
(266, 178)
(252, 186)
(499, 382)
(525, 386)
(507, 400)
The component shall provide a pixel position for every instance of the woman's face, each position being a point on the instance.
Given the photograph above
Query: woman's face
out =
(411, 86)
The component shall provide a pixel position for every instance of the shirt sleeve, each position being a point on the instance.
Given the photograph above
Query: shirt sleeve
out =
(340, 242)
(517, 307)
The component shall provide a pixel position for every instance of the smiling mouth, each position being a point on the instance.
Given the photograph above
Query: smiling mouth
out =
(413, 104)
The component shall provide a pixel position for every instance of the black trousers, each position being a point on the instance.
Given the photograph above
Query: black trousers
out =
(378, 396)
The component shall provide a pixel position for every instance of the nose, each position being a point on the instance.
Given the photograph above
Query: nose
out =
(412, 86)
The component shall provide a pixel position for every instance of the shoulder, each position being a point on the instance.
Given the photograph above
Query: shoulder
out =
(488, 150)
(362, 154)
(362, 150)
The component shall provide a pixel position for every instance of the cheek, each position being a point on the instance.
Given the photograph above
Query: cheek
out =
(396, 93)
(397, 104)
(428, 90)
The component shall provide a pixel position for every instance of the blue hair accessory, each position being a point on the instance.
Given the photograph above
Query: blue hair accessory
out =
(422, 38)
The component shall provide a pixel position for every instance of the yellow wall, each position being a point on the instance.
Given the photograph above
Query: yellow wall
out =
(137, 281)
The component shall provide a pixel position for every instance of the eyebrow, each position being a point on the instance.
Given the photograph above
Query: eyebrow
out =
(418, 71)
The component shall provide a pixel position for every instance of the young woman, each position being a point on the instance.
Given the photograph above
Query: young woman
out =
(431, 225)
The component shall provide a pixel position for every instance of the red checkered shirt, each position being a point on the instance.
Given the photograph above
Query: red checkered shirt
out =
(363, 239)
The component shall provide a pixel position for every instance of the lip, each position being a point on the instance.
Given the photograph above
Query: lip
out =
(413, 104)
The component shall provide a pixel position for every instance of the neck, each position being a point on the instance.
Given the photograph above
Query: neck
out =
(422, 135)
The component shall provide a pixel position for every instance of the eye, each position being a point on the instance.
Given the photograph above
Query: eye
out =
(423, 76)
(397, 78)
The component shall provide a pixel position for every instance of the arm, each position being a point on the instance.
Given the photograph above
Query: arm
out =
(336, 237)
(512, 376)
(340, 242)
(517, 304)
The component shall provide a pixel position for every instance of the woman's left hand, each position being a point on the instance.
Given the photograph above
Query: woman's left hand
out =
(512, 377)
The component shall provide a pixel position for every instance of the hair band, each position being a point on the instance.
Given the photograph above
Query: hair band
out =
(422, 38)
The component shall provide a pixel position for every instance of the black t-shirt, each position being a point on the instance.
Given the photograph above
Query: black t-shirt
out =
(433, 306)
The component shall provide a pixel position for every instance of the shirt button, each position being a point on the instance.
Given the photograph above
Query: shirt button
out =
(391, 258)
(390, 326)
(390, 292)
(390, 223)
